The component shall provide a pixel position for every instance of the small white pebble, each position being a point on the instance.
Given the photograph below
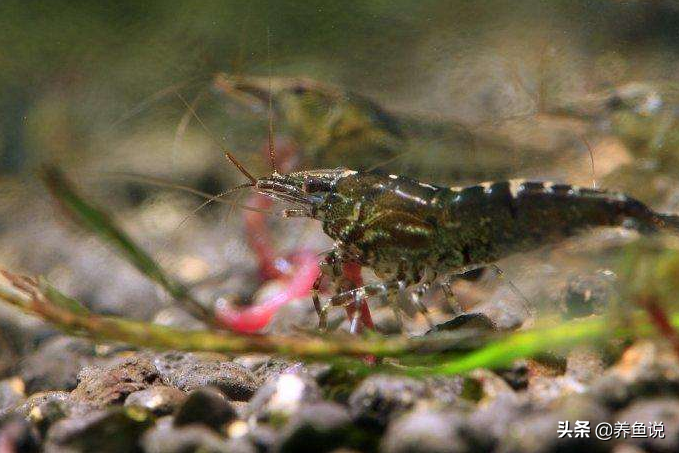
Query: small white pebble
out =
(289, 392)
(239, 428)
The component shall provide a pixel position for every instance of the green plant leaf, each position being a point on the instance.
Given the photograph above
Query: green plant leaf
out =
(97, 221)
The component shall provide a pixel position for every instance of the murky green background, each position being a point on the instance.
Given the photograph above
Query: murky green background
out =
(74, 75)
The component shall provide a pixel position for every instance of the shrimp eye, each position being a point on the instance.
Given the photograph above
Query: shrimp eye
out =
(316, 185)
(299, 90)
(615, 103)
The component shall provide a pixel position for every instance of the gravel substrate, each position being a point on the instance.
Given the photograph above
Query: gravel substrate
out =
(186, 402)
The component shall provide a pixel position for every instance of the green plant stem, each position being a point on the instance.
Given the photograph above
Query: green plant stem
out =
(491, 353)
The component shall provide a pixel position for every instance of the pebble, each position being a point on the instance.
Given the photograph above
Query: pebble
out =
(493, 386)
(158, 399)
(189, 371)
(56, 363)
(112, 430)
(102, 386)
(11, 394)
(263, 437)
(534, 429)
(318, 427)
(44, 409)
(166, 437)
(544, 390)
(584, 365)
(658, 410)
(380, 398)
(426, 431)
(447, 390)
(488, 422)
(283, 395)
(644, 370)
(627, 448)
(38, 399)
(19, 335)
(18, 435)
(264, 367)
(206, 406)
(517, 376)
(473, 321)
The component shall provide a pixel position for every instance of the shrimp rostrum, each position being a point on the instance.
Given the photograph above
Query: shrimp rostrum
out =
(410, 233)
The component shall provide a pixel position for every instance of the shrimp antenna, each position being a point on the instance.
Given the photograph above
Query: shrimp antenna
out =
(209, 199)
(272, 151)
(591, 159)
(217, 198)
(160, 182)
(153, 98)
(228, 154)
(184, 124)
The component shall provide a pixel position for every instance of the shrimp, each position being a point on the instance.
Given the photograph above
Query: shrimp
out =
(333, 126)
(410, 233)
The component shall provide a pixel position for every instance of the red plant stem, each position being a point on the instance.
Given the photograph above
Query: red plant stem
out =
(259, 240)
(352, 273)
(257, 233)
(296, 285)
(661, 320)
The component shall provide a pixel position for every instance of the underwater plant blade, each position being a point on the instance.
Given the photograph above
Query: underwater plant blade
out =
(101, 224)
(60, 299)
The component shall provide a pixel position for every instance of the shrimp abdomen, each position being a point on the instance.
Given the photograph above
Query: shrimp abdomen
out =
(492, 220)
